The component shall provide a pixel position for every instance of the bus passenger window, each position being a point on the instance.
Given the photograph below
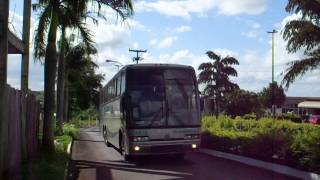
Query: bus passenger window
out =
(118, 86)
(123, 82)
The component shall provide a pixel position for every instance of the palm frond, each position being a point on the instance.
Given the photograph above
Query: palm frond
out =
(213, 56)
(72, 20)
(299, 68)
(308, 8)
(124, 8)
(43, 25)
(301, 33)
(229, 61)
(205, 77)
(230, 71)
(205, 66)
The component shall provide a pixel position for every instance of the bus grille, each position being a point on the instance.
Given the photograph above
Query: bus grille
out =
(166, 149)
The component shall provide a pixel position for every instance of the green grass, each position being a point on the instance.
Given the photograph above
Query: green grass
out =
(282, 141)
(51, 166)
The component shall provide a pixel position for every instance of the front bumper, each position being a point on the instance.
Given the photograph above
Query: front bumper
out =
(164, 147)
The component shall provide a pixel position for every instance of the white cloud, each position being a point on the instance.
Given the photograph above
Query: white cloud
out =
(182, 29)
(164, 43)
(185, 8)
(153, 42)
(254, 30)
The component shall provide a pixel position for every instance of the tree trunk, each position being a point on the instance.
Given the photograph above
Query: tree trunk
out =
(61, 83)
(50, 68)
(66, 99)
(25, 71)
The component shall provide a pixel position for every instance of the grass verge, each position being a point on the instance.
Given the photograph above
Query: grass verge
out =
(51, 166)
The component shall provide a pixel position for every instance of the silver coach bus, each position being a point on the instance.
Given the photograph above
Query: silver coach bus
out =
(151, 109)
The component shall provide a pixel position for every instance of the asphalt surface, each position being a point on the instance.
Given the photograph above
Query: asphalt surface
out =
(93, 160)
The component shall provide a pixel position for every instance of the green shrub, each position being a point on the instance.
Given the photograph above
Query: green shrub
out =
(51, 166)
(283, 141)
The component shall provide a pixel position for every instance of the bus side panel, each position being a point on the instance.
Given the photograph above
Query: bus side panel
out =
(113, 122)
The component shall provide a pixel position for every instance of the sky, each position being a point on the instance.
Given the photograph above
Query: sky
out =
(181, 32)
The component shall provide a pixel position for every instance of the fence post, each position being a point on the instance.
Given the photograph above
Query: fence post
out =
(4, 98)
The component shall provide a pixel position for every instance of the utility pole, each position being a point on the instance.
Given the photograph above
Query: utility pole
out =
(138, 58)
(273, 82)
(4, 14)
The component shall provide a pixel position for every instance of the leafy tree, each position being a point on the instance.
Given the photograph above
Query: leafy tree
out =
(240, 102)
(303, 33)
(52, 12)
(216, 77)
(83, 81)
(266, 95)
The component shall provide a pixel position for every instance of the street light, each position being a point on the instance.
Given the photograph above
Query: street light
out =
(272, 83)
(118, 64)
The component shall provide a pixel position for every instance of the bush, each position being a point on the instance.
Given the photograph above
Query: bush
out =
(51, 166)
(280, 141)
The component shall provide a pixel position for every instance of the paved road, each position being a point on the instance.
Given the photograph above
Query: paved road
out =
(93, 160)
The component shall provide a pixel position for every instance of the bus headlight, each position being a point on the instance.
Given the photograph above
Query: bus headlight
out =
(137, 148)
(140, 138)
(192, 136)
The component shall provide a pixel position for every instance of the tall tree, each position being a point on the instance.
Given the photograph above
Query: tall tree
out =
(266, 95)
(83, 81)
(51, 15)
(303, 33)
(216, 77)
(240, 102)
(61, 79)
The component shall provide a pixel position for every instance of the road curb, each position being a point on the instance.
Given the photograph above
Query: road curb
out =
(69, 151)
(265, 165)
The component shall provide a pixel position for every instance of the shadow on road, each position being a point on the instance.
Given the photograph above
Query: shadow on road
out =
(139, 165)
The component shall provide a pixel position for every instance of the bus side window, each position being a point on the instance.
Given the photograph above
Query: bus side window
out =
(114, 88)
(106, 95)
(123, 82)
(118, 85)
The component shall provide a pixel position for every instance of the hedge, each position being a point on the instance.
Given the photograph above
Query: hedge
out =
(279, 141)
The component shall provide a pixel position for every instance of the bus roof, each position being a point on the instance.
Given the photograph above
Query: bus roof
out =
(150, 65)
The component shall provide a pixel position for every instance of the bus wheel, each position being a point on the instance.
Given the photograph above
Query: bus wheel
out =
(127, 157)
(122, 150)
(106, 138)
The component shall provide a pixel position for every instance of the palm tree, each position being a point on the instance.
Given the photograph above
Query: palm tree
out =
(51, 16)
(303, 33)
(215, 75)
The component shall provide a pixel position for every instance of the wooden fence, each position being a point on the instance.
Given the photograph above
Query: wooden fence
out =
(19, 129)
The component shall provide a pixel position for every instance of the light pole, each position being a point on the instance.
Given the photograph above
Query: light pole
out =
(272, 83)
(117, 63)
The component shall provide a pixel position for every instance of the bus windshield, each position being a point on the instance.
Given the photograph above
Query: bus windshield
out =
(162, 97)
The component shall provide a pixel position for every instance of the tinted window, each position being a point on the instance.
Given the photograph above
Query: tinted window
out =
(147, 97)
(181, 97)
(123, 82)
(119, 85)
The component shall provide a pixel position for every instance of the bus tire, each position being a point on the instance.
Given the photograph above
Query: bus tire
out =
(106, 138)
(127, 157)
(107, 142)
(122, 150)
